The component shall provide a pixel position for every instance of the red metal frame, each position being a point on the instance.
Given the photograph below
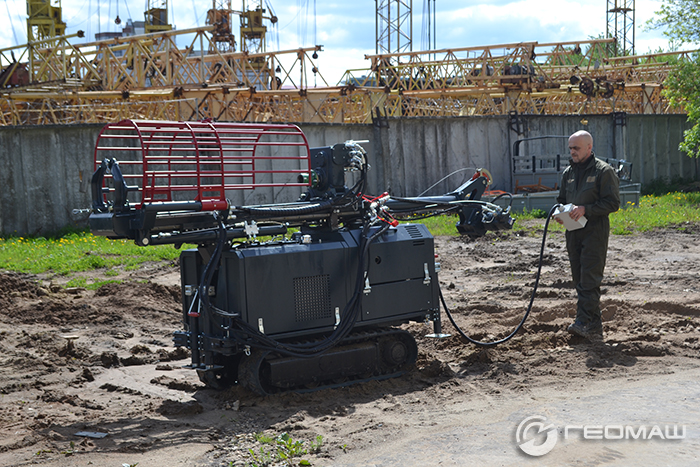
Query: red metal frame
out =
(198, 161)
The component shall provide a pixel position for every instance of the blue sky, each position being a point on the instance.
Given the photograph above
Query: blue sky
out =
(347, 29)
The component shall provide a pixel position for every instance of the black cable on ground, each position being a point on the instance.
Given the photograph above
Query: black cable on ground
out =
(529, 307)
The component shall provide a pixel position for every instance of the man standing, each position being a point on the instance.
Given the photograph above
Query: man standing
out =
(593, 187)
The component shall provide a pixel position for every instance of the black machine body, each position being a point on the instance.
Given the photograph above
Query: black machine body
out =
(315, 308)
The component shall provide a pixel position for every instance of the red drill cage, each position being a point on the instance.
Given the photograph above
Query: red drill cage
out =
(164, 162)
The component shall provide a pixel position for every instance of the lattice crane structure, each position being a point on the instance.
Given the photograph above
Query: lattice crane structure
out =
(157, 16)
(149, 77)
(394, 26)
(253, 29)
(44, 19)
(620, 15)
(528, 78)
(219, 16)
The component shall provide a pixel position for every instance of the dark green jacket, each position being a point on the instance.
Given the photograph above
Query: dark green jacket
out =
(593, 185)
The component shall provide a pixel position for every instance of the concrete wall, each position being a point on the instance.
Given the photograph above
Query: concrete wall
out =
(414, 154)
(45, 174)
(650, 142)
(47, 169)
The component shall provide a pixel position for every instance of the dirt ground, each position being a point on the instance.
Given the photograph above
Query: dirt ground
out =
(102, 363)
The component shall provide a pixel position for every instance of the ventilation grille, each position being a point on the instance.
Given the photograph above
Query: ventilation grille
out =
(413, 231)
(312, 298)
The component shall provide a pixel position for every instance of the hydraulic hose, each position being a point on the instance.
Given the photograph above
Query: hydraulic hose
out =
(246, 332)
(292, 210)
(529, 307)
(451, 204)
(348, 318)
(210, 268)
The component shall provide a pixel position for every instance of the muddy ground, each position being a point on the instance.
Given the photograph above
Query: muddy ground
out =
(102, 362)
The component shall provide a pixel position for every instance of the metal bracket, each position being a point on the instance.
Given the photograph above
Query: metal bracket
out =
(251, 230)
(337, 317)
(368, 288)
(437, 326)
(261, 328)
(426, 279)
(619, 118)
(516, 123)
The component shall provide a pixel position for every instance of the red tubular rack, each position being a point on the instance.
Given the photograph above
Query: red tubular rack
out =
(179, 162)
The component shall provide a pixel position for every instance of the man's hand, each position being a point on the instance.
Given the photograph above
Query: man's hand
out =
(577, 212)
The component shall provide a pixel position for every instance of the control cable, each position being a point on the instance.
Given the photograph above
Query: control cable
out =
(529, 307)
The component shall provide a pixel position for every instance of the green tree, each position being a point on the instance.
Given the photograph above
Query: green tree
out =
(683, 88)
(680, 20)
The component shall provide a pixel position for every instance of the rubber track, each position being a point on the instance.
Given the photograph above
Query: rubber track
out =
(249, 368)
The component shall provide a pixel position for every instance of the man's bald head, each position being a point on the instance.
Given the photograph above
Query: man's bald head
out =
(580, 146)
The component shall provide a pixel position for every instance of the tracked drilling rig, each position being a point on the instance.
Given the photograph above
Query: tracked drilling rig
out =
(288, 296)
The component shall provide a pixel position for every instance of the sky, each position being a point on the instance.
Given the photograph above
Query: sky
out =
(347, 29)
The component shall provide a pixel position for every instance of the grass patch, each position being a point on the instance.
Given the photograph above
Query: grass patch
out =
(668, 210)
(282, 448)
(77, 252)
(438, 225)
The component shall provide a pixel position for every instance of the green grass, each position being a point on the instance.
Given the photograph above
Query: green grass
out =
(282, 448)
(668, 210)
(76, 252)
(438, 225)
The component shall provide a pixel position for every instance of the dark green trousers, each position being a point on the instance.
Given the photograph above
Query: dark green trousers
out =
(588, 248)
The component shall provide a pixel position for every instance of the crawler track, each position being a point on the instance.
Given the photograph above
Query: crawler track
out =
(363, 356)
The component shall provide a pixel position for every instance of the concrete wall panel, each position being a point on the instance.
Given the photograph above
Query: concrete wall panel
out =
(47, 174)
(47, 169)
(652, 147)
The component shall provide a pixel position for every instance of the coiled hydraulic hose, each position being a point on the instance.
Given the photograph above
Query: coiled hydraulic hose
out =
(529, 307)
